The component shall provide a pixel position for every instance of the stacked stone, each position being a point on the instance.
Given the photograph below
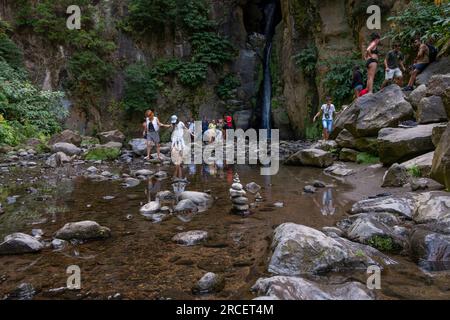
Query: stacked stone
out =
(237, 196)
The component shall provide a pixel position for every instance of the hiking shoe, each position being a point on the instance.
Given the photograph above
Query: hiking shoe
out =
(408, 88)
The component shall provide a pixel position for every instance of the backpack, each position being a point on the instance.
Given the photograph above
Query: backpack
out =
(433, 52)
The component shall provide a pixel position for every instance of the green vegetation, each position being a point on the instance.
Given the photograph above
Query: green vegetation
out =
(367, 158)
(313, 131)
(415, 171)
(306, 60)
(383, 243)
(422, 18)
(102, 153)
(225, 90)
(338, 79)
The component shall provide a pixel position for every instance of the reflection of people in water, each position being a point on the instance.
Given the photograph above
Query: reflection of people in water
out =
(153, 187)
(327, 209)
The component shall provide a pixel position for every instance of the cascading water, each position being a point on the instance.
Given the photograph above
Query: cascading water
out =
(270, 11)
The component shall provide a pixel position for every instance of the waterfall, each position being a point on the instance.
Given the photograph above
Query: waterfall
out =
(269, 30)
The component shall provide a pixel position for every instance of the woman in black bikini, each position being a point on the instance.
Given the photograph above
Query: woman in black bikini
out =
(371, 56)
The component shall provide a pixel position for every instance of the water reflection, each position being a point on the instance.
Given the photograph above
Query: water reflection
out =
(327, 207)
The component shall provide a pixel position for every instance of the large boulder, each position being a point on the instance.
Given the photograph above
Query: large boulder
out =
(139, 146)
(18, 243)
(299, 249)
(200, 199)
(421, 163)
(297, 288)
(83, 230)
(401, 144)
(440, 171)
(416, 95)
(111, 136)
(67, 148)
(431, 249)
(67, 136)
(311, 157)
(403, 206)
(439, 67)
(348, 155)
(345, 139)
(370, 113)
(431, 110)
(432, 207)
(438, 131)
(438, 84)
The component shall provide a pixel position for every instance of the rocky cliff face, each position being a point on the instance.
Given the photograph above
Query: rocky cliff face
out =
(335, 28)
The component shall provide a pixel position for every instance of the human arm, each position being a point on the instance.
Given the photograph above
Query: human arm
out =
(318, 114)
(163, 125)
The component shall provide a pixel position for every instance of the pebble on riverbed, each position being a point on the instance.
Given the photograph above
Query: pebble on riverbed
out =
(238, 199)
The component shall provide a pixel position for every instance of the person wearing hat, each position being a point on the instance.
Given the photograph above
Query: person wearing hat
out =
(178, 145)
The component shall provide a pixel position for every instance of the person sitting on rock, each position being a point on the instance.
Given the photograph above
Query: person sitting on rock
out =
(393, 64)
(327, 110)
(357, 82)
(420, 63)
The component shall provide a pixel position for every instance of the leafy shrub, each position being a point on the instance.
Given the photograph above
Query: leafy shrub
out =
(8, 49)
(307, 60)
(227, 85)
(164, 67)
(367, 158)
(103, 154)
(415, 171)
(195, 15)
(192, 74)
(211, 48)
(313, 131)
(383, 243)
(141, 88)
(422, 18)
(147, 16)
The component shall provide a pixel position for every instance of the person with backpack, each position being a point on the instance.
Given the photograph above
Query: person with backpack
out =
(393, 64)
(151, 133)
(426, 55)
(327, 110)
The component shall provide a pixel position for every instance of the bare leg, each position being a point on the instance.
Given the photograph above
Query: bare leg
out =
(324, 133)
(412, 80)
(371, 76)
(400, 82)
(158, 148)
(149, 149)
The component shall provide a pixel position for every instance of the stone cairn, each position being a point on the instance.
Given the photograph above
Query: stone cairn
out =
(238, 199)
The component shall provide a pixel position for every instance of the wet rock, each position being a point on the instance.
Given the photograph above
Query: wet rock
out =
(199, 198)
(401, 144)
(108, 197)
(432, 206)
(278, 204)
(157, 217)
(370, 113)
(24, 291)
(348, 155)
(165, 196)
(366, 228)
(431, 110)
(37, 233)
(131, 182)
(209, 283)
(311, 157)
(339, 170)
(440, 170)
(111, 136)
(190, 238)
(186, 205)
(150, 208)
(161, 175)
(319, 184)
(297, 288)
(345, 139)
(92, 170)
(421, 163)
(59, 244)
(66, 136)
(437, 133)
(430, 248)
(252, 187)
(83, 230)
(420, 184)
(57, 159)
(325, 145)
(416, 95)
(239, 202)
(139, 146)
(18, 243)
(298, 249)
(67, 148)
(143, 172)
(309, 189)
(403, 206)
(333, 232)
(396, 176)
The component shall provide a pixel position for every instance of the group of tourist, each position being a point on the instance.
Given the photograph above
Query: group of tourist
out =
(394, 69)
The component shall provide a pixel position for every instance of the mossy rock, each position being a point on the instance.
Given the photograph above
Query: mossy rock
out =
(102, 153)
(367, 158)
(89, 141)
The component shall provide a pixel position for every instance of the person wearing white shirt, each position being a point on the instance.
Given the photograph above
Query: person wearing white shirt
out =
(327, 110)
(151, 133)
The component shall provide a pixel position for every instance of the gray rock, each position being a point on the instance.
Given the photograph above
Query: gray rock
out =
(298, 249)
(348, 155)
(24, 291)
(143, 172)
(67, 136)
(150, 208)
(111, 136)
(438, 84)
(190, 238)
(440, 170)
(365, 228)
(333, 232)
(209, 283)
(431, 110)
(67, 148)
(297, 288)
(319, 184)
(165, 196)
(309, 189)
(131, 182)
(59, 244)
(311, 157)
(437, 133)
(339, 169)
(199, 198)
(439, 67)
(401, 144)
(431, 249)
(325, 145)
(252, 187)
(139, 146)
(83, 230)
(432, 206)
(403, 206)
(416, 95)
(396, 176)
(345, 139)
(186, 205)
(422, 163)
(161, 175)
(240, 200)
(18, 243)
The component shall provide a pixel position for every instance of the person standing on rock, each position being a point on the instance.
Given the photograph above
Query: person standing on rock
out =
(327, 110)
(151, 133)
(420, 63)
(371, 57)
(393, 64)
(357, 81)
